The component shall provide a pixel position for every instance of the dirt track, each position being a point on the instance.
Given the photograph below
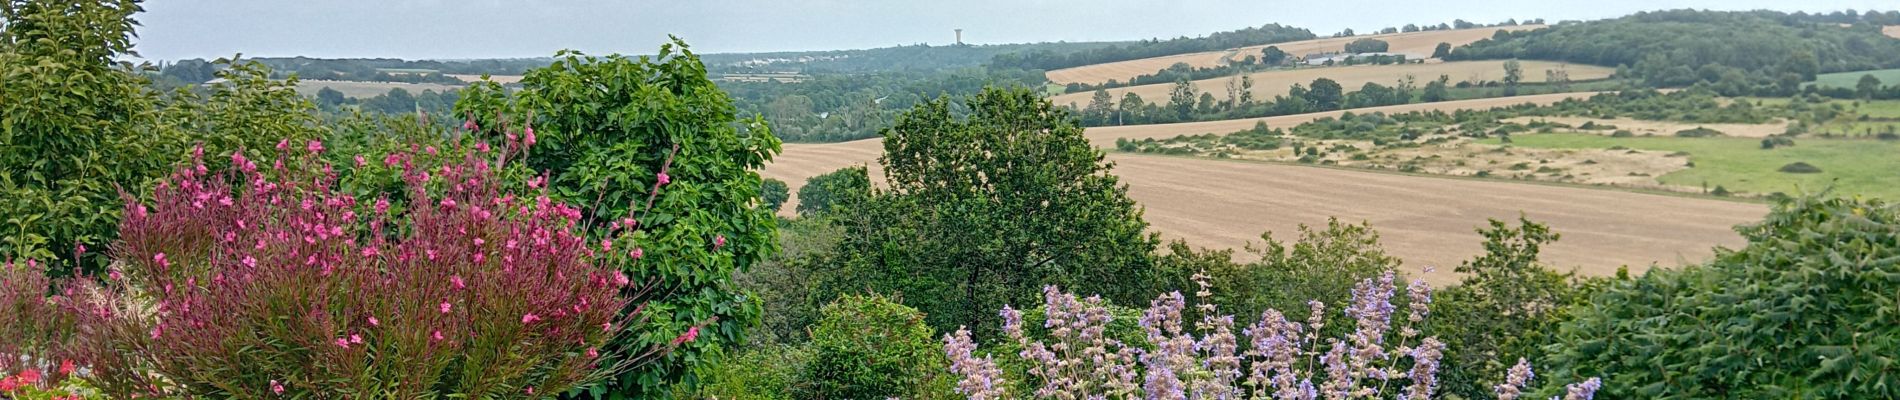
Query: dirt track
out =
(1414, 45)
(1276, 83)
(1424, 220)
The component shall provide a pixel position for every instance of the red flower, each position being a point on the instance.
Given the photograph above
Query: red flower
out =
(67, 367)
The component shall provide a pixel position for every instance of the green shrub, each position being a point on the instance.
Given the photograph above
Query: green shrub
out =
(1503, 309)
(1799, 167)
(1698, 132)
(871, 347)
(1805, 310)
(773, 193)
(1622, 133)
(842, 188)
(759, 373)
(664, 122)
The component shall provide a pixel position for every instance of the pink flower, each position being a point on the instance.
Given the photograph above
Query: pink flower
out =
(437, 335)
(370, 252)
(530, 390)
(115, 275)
(275, 387)
(529, 318)
(283, 145)
(664, 179)
(360, 162)
(160, 259)
(81, 249)
(250, 261)
(620, 278)
(444, 307)
(314, 146)
(606, 245)
(527, 136)
(593, 353)
(455, 281)
(636, 253)
(691, 333)
(374, 322)
(607, 327)
(719, 241)
(157, 330)
(343, 342)
(66, 367)
(355, 338)
(469, 125)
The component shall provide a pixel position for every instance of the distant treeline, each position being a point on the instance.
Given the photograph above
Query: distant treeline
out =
(1050, 60)
(840, 107)
(359, 69)
(913, 58)
(1753, 52)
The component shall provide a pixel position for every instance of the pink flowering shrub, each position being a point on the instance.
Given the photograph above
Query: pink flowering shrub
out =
(36, 336)
(1279, 358)
(268, 281)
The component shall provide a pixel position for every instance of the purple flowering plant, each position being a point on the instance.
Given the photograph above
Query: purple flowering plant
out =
(1383, 356)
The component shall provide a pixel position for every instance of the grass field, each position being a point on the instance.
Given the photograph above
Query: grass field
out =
(1414, 45)
(1887, 77)
(1850, 167)
(1426, 221)
(1268, 84)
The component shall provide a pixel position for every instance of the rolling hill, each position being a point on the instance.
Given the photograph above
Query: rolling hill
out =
(1274, 83)
(1412, 44)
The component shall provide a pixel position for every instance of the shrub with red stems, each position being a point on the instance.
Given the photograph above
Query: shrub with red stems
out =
(267, 280)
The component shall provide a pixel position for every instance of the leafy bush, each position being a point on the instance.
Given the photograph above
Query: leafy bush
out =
(870, 347)
(1698, 132)
(1804, 310)
(469, 291)
(662, 124)
(758, 373)
(984, 210)
(1367, 45)
(1799, 167)
(773, 193)
(1283, 359)
(841, 188)
(1504, 308)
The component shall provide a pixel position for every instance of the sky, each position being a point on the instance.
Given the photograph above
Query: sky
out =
(463, 29)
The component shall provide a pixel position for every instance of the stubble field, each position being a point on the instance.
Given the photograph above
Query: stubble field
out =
(1427, 221)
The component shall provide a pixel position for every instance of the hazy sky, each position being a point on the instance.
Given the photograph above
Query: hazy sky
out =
(412, 29)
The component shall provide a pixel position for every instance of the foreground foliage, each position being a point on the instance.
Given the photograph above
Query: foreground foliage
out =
(1806, 310)
(611, 131)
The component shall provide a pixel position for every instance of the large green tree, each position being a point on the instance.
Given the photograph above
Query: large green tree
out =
(982, 211)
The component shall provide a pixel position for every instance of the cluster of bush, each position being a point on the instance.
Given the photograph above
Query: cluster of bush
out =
(231, 241)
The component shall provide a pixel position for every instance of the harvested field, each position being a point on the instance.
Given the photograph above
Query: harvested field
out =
(1268, 84)
(1423, 220)
(1105, 136)
(1892, 31)
(1413, 44)
(364, 90)
(501, 79)
(1662, 128)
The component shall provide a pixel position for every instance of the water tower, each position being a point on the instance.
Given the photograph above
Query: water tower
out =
(959, 36)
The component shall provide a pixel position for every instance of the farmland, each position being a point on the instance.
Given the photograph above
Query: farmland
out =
(1268, 84)
(1849, 166)
(1892, 31)
(363, 90)
(1430, 220)
(1414, 45)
